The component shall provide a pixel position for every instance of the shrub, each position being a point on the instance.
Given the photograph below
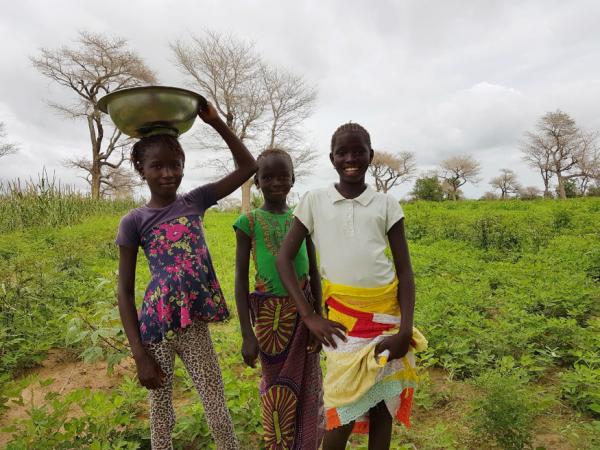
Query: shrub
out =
(505, 413)
(581, 387)
(82, 419)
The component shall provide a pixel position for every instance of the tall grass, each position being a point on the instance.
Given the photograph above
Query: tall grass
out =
(46, 202)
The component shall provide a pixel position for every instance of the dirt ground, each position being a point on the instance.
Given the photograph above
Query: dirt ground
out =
(451, 398)
(68, 374)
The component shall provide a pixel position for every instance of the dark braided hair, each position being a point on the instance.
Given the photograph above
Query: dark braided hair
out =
(351, 127)
(273, 151)
(139, 149)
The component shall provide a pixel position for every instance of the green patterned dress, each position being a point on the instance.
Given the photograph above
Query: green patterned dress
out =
(291, 383)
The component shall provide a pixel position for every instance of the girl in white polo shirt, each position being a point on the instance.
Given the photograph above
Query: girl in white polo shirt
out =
(369, 345)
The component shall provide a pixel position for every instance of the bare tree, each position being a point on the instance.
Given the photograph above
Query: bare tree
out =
(115, 182)
(6, 147)
(262, 105)
(506, 182)
(304, 157)
(391, 169)
(121, 183)
(95, 66)
(593, 190)
(227, 71)
(588, 165)
(529, 192)
(538, 155)
(450, 192)
(489, 196)
(229, 204)
(560, 148)
(456, 171)
(290, 100)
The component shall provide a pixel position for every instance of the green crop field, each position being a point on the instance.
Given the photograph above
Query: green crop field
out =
(508, 295)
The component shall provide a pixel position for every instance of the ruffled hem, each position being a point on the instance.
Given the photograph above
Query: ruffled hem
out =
(382, 391)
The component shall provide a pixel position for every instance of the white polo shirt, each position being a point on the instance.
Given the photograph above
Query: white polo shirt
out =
(350, 235)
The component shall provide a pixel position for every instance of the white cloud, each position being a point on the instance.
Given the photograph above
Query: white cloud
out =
(436, 78)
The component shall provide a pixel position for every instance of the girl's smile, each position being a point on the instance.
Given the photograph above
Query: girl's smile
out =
(275, 178)
(351, 170)
(163, 170)
(351, 156)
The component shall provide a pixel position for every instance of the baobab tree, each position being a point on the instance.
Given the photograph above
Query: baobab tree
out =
(290, 100)
(6, 147)
(391, 169)
(529, 192)
(558, 147)
(457, 171)
(506, 182)
(588, 164)
(263, 105)
(115, 182)
(96, 65)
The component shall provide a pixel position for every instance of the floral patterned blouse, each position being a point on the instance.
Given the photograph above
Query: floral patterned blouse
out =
(184, 286)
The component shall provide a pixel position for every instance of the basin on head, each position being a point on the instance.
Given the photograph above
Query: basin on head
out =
(149, 110)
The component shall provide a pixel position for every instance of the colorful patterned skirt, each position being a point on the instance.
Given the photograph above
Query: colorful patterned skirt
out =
(291, 384)
(354, 381)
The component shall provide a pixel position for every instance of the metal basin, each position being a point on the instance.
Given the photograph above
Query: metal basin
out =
(150, 110)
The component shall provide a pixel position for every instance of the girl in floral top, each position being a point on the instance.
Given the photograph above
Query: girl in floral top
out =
(183, 294)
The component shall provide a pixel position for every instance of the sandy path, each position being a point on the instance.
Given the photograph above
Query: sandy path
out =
(68, 375)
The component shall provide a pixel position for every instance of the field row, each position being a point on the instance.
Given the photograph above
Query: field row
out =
(507, 294)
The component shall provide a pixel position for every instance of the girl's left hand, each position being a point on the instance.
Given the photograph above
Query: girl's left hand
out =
(250, 350)
(314, 345)
(397, 344)
(209, 114)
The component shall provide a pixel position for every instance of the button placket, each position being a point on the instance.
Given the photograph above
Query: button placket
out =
(349, 219)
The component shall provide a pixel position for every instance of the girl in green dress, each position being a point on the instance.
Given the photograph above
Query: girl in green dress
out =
(291, 382)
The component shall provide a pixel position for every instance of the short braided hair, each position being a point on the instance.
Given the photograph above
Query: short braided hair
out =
(139, 149)
(351, 127)
(269, 152)
(273, 151)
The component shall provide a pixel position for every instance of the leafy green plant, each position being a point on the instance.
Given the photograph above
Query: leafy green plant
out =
(502, 287)
(97, 331)
(561, 219)
(580, 386)
(82, 419)
(505, 413)
(426, 398)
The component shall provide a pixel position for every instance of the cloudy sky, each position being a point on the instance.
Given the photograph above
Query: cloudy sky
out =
(437, 78)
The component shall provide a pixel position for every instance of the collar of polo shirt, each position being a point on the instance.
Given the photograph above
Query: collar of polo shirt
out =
(364, 199)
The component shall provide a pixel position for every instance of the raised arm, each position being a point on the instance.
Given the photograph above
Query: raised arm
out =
(244, 161)
(323, 329)
(242, 289)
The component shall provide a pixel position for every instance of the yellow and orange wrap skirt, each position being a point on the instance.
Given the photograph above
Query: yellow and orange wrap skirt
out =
(355, 382)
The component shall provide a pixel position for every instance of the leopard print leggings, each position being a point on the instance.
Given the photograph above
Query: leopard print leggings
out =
(194, 347)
